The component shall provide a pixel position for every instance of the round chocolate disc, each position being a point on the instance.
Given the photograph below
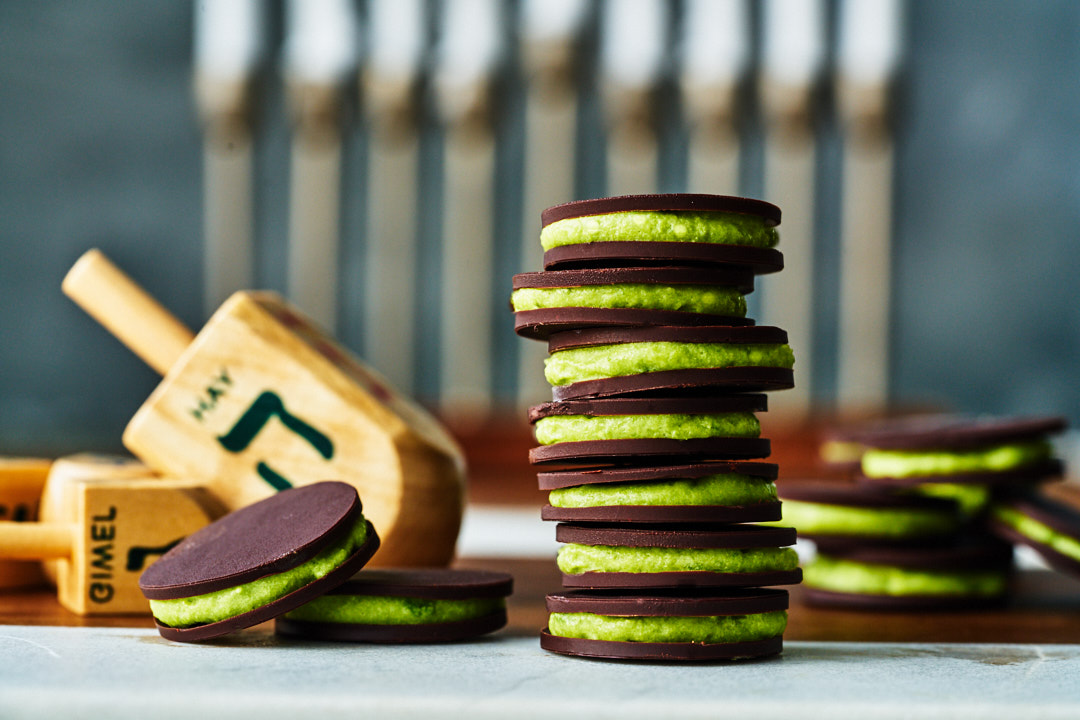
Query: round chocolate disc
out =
(268, 537)
(712, 334)
(607, 452)
(425, 633)
(662, 202)
(680, 580)
(900, 603)
(955, 432)
(620, 253)
(865, 495)
(541, 324)
(651, 406)
(1058, 516)
(720, 514)
(553, 480)
(736, 277)
(982, 552)
(683, 604)
(1027, 475)
(661, 652)
(428, 584)
(680, 382)
(676, 536)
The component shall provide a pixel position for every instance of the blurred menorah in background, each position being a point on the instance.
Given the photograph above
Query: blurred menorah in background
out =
(426, 137)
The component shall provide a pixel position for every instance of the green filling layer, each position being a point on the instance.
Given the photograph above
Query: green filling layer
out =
(867, 522)
(571, 428)
(915, 463)
(646, 226)
(972, 498)
(703, 629)
(233, 601)
(1037, 531)
(706, 299)
(604, 361)
(374, 610)
(721, 489)
(826, 573)
(575, 559)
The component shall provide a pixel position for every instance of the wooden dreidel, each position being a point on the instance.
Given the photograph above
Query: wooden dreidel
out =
(262, 400)
(21, 483)
(59, 498)
(118, 528)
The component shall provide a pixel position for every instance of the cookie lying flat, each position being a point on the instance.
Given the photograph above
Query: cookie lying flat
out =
(1050, 528)
(674, 229)
(619, 429)
(969, 573)
(717, 492)
(554, 301)
(684, 627)
(675, 556)
(821, 510)
(405, 606)
(960, 456)
(601, 362)
(259, 562)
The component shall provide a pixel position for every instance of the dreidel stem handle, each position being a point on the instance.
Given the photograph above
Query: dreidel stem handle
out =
(35, 541)
(116, 301)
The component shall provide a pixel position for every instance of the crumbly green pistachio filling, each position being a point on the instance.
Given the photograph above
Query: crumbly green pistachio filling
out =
(571, 428)
(828, 573)
(575, 559)
(652, 226)
(1037, 531)
(233, 601)
(704, 299)
(604, 361)
(892, 523)
(701, 629)
(374, 610)
(719, 489)
(914, 463)
(972, 498)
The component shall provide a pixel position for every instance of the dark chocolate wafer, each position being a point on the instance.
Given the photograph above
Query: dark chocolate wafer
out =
(552, 480)
(541, 324)
(606, 452)
(671, 383)
(956, 432)
(761, 261)
(716, 334)
(735, 277)
(1040, 472)
(651, 406)
(662, 202)
(1057, 516)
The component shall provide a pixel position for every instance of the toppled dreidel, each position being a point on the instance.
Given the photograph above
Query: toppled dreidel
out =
(118, 528)
(59, 497)
(21, 483)
(262, 401)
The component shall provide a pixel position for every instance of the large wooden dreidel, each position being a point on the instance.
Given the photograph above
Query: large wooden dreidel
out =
(21, 484)
(262, 400)
(118, 528)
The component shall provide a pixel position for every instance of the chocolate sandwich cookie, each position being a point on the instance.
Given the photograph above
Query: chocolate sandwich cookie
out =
(603, 362)
(554, 301)
(674, 229)
(675, 556)
(617, 430)
(405, 606)
(961, 456)
(821, 510)
(716, 492)
(1049, 527)
(259, 562)
(971, 572)
(683, 627)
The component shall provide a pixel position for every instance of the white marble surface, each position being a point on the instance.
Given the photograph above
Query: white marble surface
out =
(127, 673)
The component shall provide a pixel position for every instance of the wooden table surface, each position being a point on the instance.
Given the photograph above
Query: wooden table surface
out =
(1045, 610)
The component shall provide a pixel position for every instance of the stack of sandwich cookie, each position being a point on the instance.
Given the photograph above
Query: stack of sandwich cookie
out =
(1049, 527)
(910, 530)
(404, 606)
(259, 562)
(652, 434)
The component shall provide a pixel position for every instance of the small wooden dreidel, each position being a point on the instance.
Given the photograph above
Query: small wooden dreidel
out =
(119, 527)
(261, 400)
(59, 497)
(21, 483)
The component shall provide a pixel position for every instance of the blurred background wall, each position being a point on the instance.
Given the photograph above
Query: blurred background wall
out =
(101, 146)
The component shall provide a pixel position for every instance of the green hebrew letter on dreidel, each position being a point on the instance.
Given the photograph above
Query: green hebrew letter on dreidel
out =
(266, 406)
